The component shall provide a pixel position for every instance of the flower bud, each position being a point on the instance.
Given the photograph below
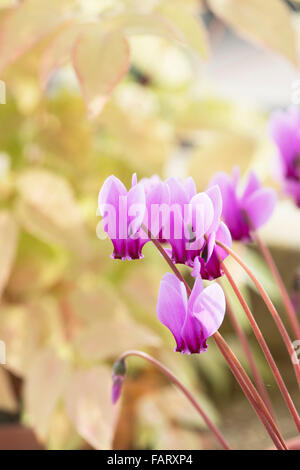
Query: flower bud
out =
(118, 376)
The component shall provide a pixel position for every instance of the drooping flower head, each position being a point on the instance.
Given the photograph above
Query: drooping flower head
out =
(285, 130)
(195, 224)
(157, 197)
(247, 211)
(191, 320)
(123, 213)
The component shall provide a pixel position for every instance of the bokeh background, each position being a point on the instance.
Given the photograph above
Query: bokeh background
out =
(95, 87)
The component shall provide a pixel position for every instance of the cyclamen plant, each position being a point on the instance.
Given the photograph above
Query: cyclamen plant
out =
(196, 229)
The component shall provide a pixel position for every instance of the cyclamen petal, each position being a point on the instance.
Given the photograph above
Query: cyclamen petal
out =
(194, 320)
(190, 188)
(215, 196)
(211, 305)
(178, 195)
(244, 213)
(202, 214)
(259, 206)
(253, 185)
(171, 307)
(123, 213)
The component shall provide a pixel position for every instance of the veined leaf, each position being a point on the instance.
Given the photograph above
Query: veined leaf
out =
(100, 61)
(27, 23)
(266, 22)
(88, 403)
(47, 208)
(59, 51)
(191, 28)
(46, 380)
(173, 22)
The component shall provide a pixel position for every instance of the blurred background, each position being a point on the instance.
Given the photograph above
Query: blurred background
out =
(100, 87)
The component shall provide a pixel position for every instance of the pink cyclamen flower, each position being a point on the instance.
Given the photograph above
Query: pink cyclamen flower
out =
(248, 211)
(191, 320)
(285, 130)
(123, 213)
(195, 225)
(157, 198)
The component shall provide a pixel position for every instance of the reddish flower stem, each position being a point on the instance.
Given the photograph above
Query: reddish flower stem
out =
(248, 353)
(236, 368)
(250, 392)
(184, 390)
(269, 304)
(284, 294)
(265, 349)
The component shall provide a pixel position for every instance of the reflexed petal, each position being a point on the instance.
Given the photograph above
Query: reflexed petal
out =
(231, 209)
(284, 129)
(158, 194)
(171, 306)
(202, 214)
(109, 204)
(196, 268)
(214, 194)
(177, 192)
(190, 187)
(134, 179)
(253, 184)
(260, 205)
(111, 189)
(157, 198)
(211, 308)
(221, 179)
(223, 235)
(136, 208)
(210, 245)
(196, 291)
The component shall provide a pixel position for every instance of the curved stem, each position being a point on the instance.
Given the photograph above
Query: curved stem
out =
(184, 390)
(268, 302)
(265, 349)
(284, 294)
(248, 353)
(250, 391)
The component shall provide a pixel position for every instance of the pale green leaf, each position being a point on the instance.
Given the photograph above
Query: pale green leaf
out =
(100, 61)
(27, 23)
(88, 403)
(45, 383)
(266, 22)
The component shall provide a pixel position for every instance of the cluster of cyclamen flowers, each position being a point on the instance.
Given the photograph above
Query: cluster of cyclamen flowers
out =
(187, 225)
